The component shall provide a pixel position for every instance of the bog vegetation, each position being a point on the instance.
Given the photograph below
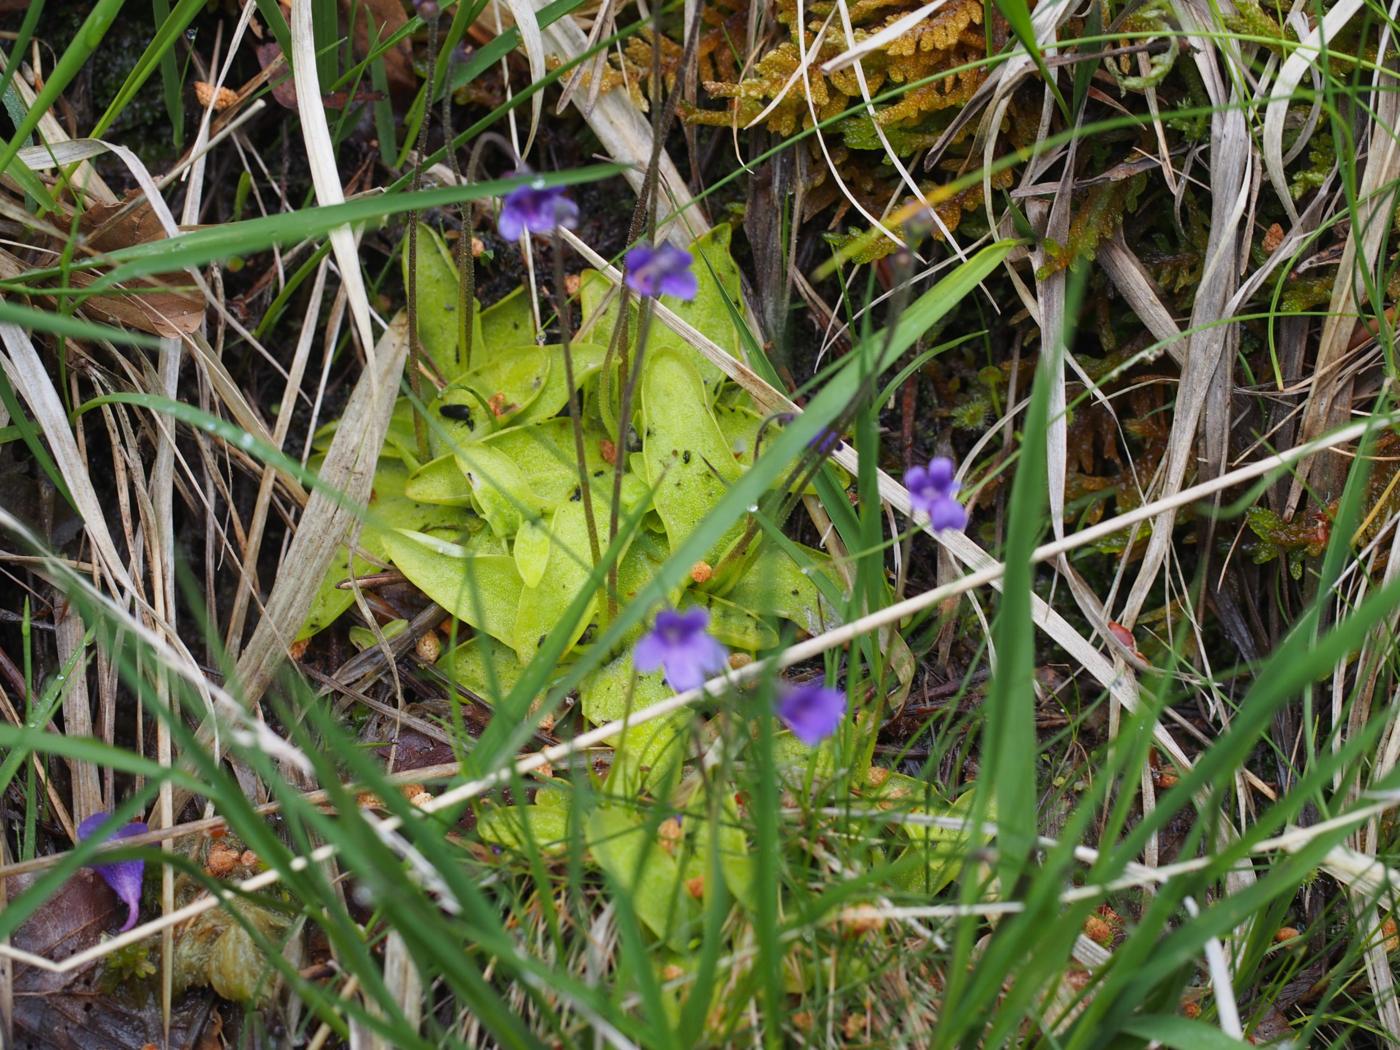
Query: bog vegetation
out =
(836, 523)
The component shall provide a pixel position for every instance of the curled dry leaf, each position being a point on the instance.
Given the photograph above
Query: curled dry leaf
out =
(157, 305)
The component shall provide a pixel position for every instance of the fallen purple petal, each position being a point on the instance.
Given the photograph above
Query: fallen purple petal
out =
(124, 876)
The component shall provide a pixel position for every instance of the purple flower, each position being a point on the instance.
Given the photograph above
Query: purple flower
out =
(535, 208)
(663, 270)
(125, 876)
(931, 490)
(825, 442)
(679, 646)
(811, 710)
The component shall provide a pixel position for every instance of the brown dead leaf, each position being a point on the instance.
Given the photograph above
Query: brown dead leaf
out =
(148, 305)
(1272, 1028)
(283, 91)
(145, 306)
(132, 220)
(387, 18)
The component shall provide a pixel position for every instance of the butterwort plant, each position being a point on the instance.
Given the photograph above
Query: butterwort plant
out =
(680, 645)
(124, 876)
(932, 490)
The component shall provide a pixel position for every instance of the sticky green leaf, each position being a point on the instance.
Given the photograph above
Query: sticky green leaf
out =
(331, 599)
(390, 479)
(511, 827)
(563, 576)
(544, 455)
(775, 585)
(647, 756)
(735, 852)
(363, 638)
(480, 589)
(614, 689)
(438, 323)
(509, 322)
(482, 666)
(442, 522)
(739, 424)
(718, 279)
(531, 552)
(710, 311)
(643, 875)
(646, 554)
(587, 360)
(941, 849)
(687, 459)
(508, 382)
(440, 481)
(735, 626)
(499, 489)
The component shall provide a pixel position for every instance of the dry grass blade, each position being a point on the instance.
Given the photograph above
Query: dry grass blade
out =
(522, 12)
(1205, 377)
(1330, 399)
(626, 135)
(1290, 75)
(1133, 284)
(320, 155)
(77, 709)
(348, 470)
(233, 635)
(29, 378)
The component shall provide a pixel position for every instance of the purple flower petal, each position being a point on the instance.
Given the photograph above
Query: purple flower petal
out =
(679, 645)
(921, 492)
(931, 490)
(947, 513)
(648, 653)
(811, 710)
(537, 209)
(511, 224)
(825, 442)
(681, 284)
(940, 472)
(663, 270)
(124, 876)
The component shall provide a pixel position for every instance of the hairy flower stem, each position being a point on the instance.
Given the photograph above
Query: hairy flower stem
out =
(561, 308)
(624, 425)
(466, 261)
(415, 345)
(643, 216)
